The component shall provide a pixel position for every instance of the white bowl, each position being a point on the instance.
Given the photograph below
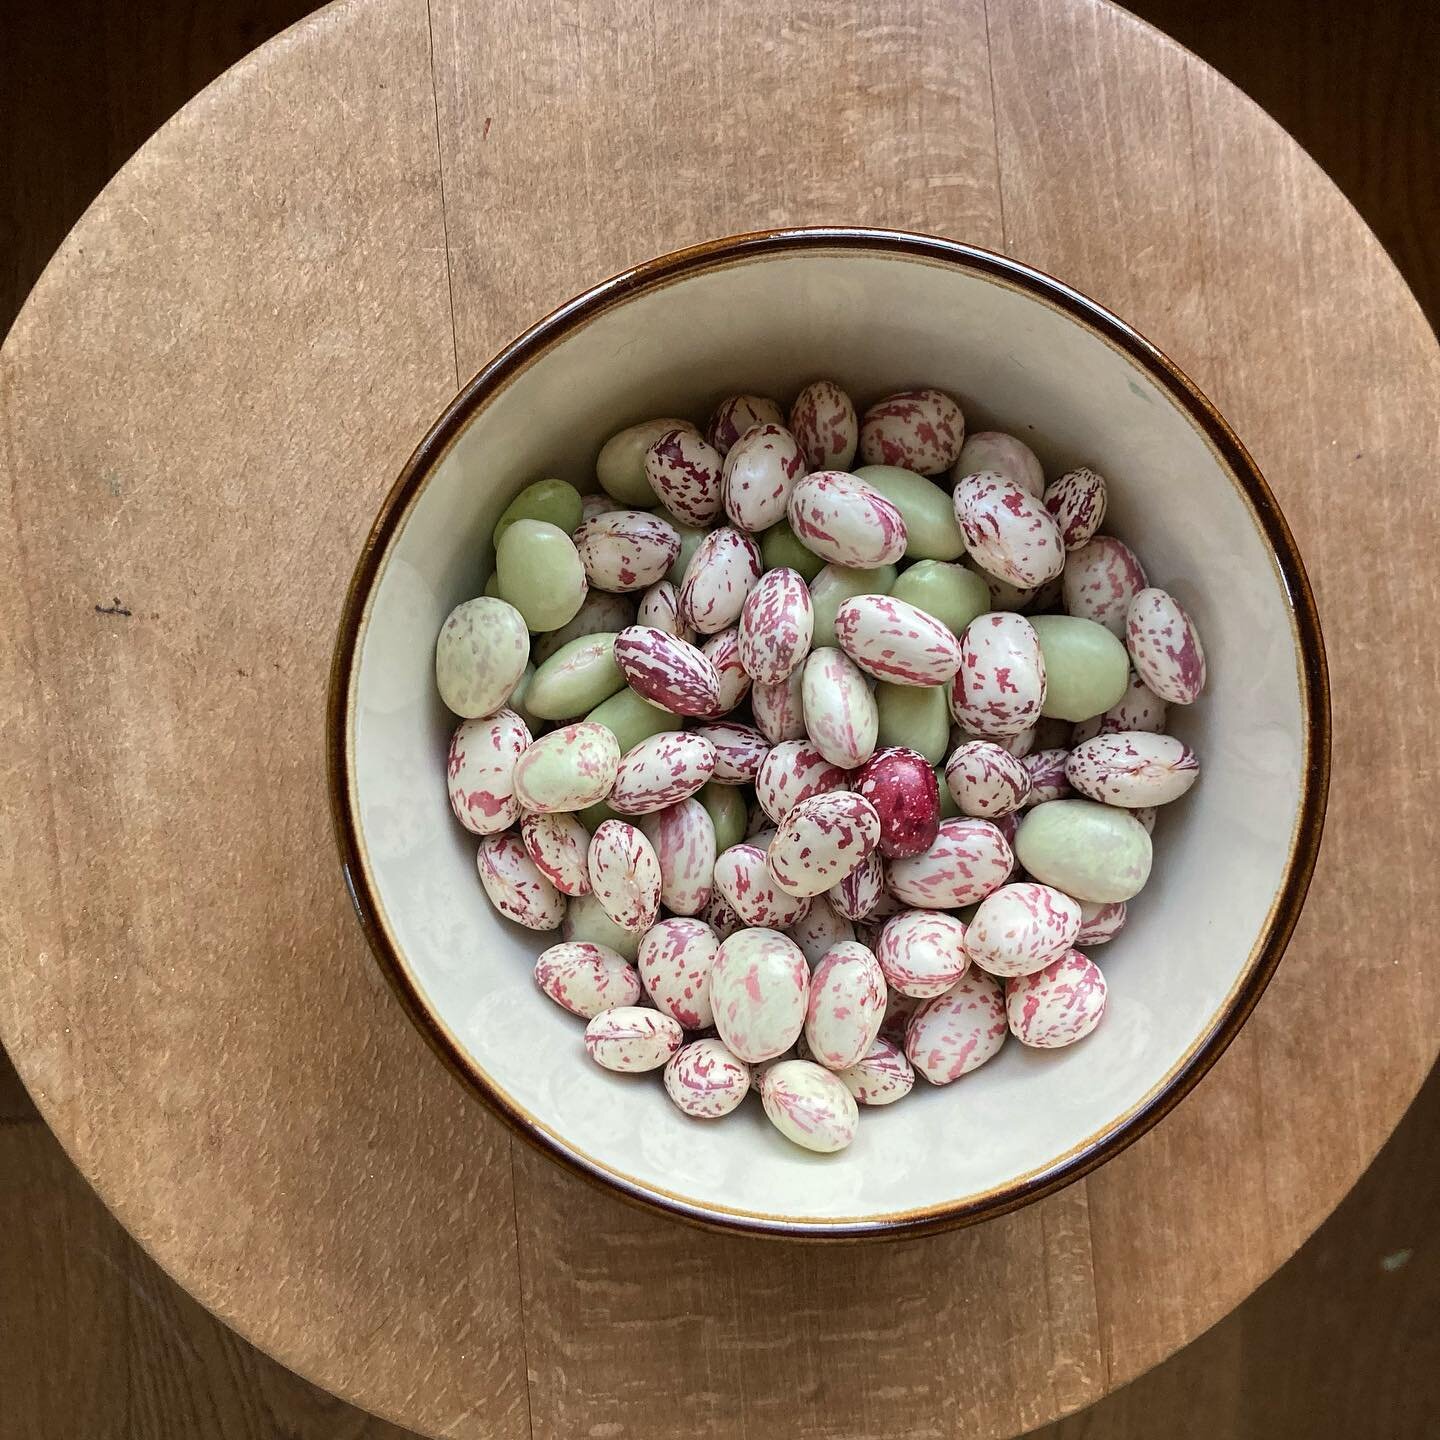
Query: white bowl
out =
(877, 311)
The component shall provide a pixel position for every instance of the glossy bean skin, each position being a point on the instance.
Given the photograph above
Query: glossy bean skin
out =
(668, 672)
(1139, 708)
(480, 771)
(1165, 647)
(631, 1039)
(743, 878)
(881, 1076)
(759, 991)
(625, 875)
(626, 550)
(586, 921)
(515, 886)
(760, 471)
(620, 466)
(675, 960)
(1005, 455)
(739, 749)
(705, 1080)
(846, 521)
(1008, 532)
(776, 624)
(538, 571)
(660, 772)
(723, 652)
(1021, 928)
(821, 929)
(957, 1032)
(920, 430)
(559, 845)
(659, 608)
(554, 501)
(567, 769)
(779, 709)
(846, 1005)
(1100, 924)
(825, 426)
(1086, 667)
(585, 979)
(858, 894)
(968, 860)
(948, 593)
(734, 416)
(684, 840)
(999, 689)
(600, 612)
(922, 952)
(1101, 578)
(793, 771)
(841, 718)
(579, 676)
(1077, 500)
(631, 718)
(809, 1106)
(726, 808)
(896, 642)
(985, 780)
(915, 717)
(724, 569)
(820, 841)
(684, 472)
(1046, 772)
(836, 584)
(1092, 852)
(480, 655)
(901, 786)
(931, 530)
(780, 549)
(1133, 770)
(1058, 1005)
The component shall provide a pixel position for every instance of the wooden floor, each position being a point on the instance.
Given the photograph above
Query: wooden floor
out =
(96, 1342)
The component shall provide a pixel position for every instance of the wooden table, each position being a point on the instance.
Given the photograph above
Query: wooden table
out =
(204, 401)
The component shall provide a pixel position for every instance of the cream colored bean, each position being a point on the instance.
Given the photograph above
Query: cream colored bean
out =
(515, 885)
(1008, 532)
(825, 426)
(724, 569)
(820, 841)
(759, 991)
(626, 550)
(705, 1080)
(841, 718)
(760, 471)
(809, 1106)
(919, 430)
(632, 1039)
(846, 1005)
(625, 875)
(480, 771)
(683, 838)
(586, 979)
(1134, 770)
(1021, 928)
(559, 845)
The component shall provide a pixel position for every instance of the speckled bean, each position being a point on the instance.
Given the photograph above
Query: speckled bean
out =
(922, 952)
(667, 671)
(620, 466)
(821, 840)
(626, 550)
(480, 654)
(1058, 1005)
(836, 584)
(515, 885)
(759, 990)
(881, 1076)
(823, 927)
(859, 893)
(901, 786)
(1100, 580)
(684, 841)
(585, 979)
(931, 530)
(1090, 851)
(920, 430)
(791, 772)
(1000, 686)
(775, 626)
(1133, 769)
(576, 678)
(744, 879)
(957, 1032)
(567, 769)
(760, 471)
(1077, 501)
(676, 957)
(841, 718)
(779, 709)
(720, 916)
(899, 1008)
(632, 1039)
(705, 1080)
(684, 472)
(660, 772)
(480, 771)
(809, 1106)
(846, 521)
(1139, 708)
(625, 875)
(1100, 923)
(1165, 647)
(1008, 532)
(1146, 816)
(986, 780)
(1021, 928)
(896, 642)
(1005, 455)
(734, 416)
(968, 860)
(660, 609)
(824, 424)
(724, 569)
(559, 845)
(847, 1003)
(1045, 770)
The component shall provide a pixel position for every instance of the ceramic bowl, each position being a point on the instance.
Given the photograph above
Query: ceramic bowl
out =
(877, 311)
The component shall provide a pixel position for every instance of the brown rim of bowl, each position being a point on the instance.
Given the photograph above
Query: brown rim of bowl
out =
(1313, 676)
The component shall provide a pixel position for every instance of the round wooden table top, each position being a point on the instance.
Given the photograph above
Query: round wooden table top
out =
(205, 399)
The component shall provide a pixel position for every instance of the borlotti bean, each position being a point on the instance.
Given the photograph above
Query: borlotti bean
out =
(775, 626)
(825, 426)
(820, 841)
(847, 521)
(586, 979)
(957, 1032)
(705, 1080)
(630, 1038)
(759, 992)
(684, 839)
(760, 471)
(1058, 1005)
(1133, 770)
(809, 1105)
(901, 786)
(754, 712)
(676, 957)
(684, 472)
(897, 642)
(919, 430)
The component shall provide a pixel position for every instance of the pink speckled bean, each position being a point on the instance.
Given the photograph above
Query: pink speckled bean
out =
(825, 426)
(676, 957)
(1021, 928)
(625, 875)
(480, 655)
(660, 610)
(559, 845)
(1007, 531)
(1005, 455)
(720, 916)
(775, 626)
(779, 709)
(1077, 501)
(919, 430)
(809, 1106)
(842, 519)
(723, 652)
(705, 1080)
(733, 417)
(1165, 647)
(684, 472)
(632, 1039)
(480, 769)
(1139, 708)
(661, 771)
(881, 1076)
(1046, 771)
(599, 504)
(1100, 923)
(902, 787)
(959, 1031)
(683, 837)
(625, 550)
(1100, 580)
(922, 952)
(667, 671)
(841, 717)
(895, 641)
(1000, 685)
(568, 769)
(759, 990)
(821, 840)
(515, 885)
(586, 979)
(858, 894)
(740, 750)
(723, 570)
(761, 469)
(847, 1003)
(1133, 769)
(968, 860)
(821, 929)
(986, 780)
(793, 771)
(1058, 1005)
(1019, 745)
(743, 878)
(898, 1010)
(1008, 826)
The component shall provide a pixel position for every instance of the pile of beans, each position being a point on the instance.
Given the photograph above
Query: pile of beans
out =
(825, 776)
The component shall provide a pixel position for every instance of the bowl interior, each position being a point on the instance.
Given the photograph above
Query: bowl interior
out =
(875, 320)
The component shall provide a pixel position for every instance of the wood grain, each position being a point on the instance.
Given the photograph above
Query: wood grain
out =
(1094, 1285)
